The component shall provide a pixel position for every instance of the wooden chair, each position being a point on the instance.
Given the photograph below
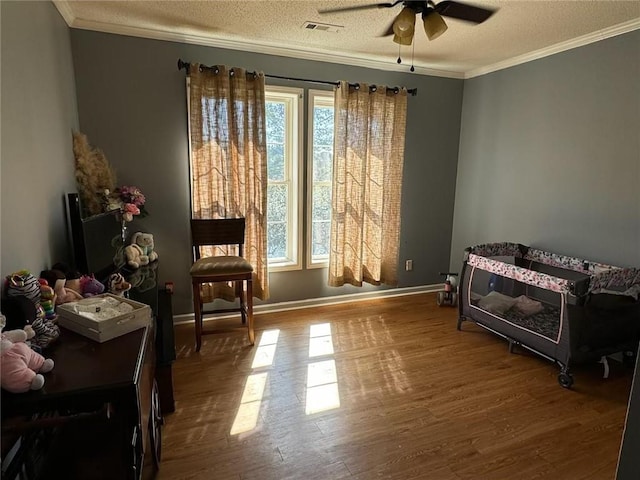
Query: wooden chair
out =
(223, 268)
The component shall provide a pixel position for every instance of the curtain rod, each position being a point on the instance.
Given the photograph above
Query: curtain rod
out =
(186, 66)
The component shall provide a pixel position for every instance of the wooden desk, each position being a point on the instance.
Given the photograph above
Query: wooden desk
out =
(90, 379)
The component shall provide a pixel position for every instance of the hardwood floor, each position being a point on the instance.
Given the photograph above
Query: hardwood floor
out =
(385, 389)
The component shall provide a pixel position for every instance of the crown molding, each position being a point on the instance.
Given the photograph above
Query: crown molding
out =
(593, 37)
(65, 10)
(304, 53)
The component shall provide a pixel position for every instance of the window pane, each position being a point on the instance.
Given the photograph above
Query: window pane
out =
(277, 203)
(276, 241)
(323, 126)
(283, 170)
(275, 161)
(322, 163)
(276, 121)
(322, 170)
(320, 240)
(321, 209)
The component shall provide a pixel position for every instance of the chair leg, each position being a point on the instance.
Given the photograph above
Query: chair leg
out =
(241, 294)
(252, 335)
(197, 314)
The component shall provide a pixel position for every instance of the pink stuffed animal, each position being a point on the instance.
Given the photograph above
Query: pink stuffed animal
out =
(19, 364)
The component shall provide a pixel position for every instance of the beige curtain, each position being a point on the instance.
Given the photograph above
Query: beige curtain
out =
(367, 184)
(229, 160)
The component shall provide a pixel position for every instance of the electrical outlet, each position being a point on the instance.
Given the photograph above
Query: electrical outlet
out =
(408, 265)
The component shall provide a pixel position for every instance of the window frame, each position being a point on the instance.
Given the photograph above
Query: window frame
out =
(293, 98)
(328, 97)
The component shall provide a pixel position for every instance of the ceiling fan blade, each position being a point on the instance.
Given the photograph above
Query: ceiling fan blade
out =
(463, 11)
(359, 7)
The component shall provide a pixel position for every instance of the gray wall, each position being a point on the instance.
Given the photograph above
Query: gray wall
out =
(550, 155)
(549, 151)
(132, 104)
(38, 115)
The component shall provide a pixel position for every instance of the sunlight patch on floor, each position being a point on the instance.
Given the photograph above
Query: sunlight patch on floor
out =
(320, 340)
(266, 350)
(322, 377)
(248, 414)
(249, 411)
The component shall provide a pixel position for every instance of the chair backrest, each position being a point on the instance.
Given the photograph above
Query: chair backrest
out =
(222, 231)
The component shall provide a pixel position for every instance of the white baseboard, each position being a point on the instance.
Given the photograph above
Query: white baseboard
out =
(316, 302)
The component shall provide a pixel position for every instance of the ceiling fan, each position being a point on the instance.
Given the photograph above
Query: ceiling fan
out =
(403, 26)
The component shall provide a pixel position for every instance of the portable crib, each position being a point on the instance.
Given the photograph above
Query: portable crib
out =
(566, 309)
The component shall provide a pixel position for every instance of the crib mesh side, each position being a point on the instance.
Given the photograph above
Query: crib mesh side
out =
(527, 307)
(555, 316)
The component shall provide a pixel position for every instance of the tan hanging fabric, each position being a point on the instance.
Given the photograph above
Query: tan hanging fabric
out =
(227, 125)
(367, 184)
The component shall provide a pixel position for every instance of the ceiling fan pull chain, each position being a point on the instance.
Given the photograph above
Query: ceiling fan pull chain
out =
(399, 59)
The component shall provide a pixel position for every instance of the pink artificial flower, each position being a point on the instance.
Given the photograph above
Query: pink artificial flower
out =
(131, 208)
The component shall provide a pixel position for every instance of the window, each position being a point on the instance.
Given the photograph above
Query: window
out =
(320, 173)
(284, 126)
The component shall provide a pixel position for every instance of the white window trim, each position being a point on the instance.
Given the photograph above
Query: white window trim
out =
(295, 150)
(313, 94)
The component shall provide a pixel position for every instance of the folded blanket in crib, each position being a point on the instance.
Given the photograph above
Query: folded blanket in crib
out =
(498, 303)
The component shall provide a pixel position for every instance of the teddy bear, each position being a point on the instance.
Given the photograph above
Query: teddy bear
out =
(140, 252)
(20, 366)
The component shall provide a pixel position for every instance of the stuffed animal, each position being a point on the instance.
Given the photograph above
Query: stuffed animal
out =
(22, 286)
(140, 252)
(21, 313)
(89, 286)
(20, 335)
(72, 281)
(18, 312)
(20, 366)
(58, 279)
(10, 306)
(117, 284)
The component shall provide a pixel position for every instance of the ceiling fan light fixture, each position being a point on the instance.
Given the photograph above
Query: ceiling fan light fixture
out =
(403, 40)
(404, 24)
(434, 25)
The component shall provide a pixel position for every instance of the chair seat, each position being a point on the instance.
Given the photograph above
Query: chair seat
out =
(221, 265)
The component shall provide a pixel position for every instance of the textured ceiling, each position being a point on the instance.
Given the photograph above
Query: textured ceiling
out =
(518, 31)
